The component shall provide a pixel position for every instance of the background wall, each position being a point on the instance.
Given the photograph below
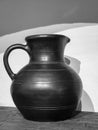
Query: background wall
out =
(17, 15)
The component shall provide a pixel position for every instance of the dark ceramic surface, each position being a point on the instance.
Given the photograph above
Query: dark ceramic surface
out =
(46, 89)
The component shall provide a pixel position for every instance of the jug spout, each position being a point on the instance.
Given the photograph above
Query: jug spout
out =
(47, 47)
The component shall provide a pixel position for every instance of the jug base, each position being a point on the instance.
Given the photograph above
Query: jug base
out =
(47, 115)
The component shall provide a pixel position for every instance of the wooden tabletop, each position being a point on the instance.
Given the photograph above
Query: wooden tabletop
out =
(11, 119)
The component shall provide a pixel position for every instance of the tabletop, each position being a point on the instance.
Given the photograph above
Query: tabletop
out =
(11, 119)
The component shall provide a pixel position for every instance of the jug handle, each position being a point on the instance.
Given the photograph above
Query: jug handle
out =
(6, 55)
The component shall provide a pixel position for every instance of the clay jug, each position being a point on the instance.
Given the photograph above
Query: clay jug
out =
(46, 89)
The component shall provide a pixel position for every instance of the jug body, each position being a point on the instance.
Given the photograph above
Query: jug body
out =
(46, 89)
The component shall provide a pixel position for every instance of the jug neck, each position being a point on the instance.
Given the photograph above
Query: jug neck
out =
(47, 48)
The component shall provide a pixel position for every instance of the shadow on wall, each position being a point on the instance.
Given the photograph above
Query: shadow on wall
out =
(87, 104)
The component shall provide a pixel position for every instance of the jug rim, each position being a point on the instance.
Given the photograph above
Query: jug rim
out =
(46, 35)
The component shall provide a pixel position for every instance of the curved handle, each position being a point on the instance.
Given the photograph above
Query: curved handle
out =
(6, 55)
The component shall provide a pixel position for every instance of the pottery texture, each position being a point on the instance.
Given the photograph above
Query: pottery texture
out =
(46, 89)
